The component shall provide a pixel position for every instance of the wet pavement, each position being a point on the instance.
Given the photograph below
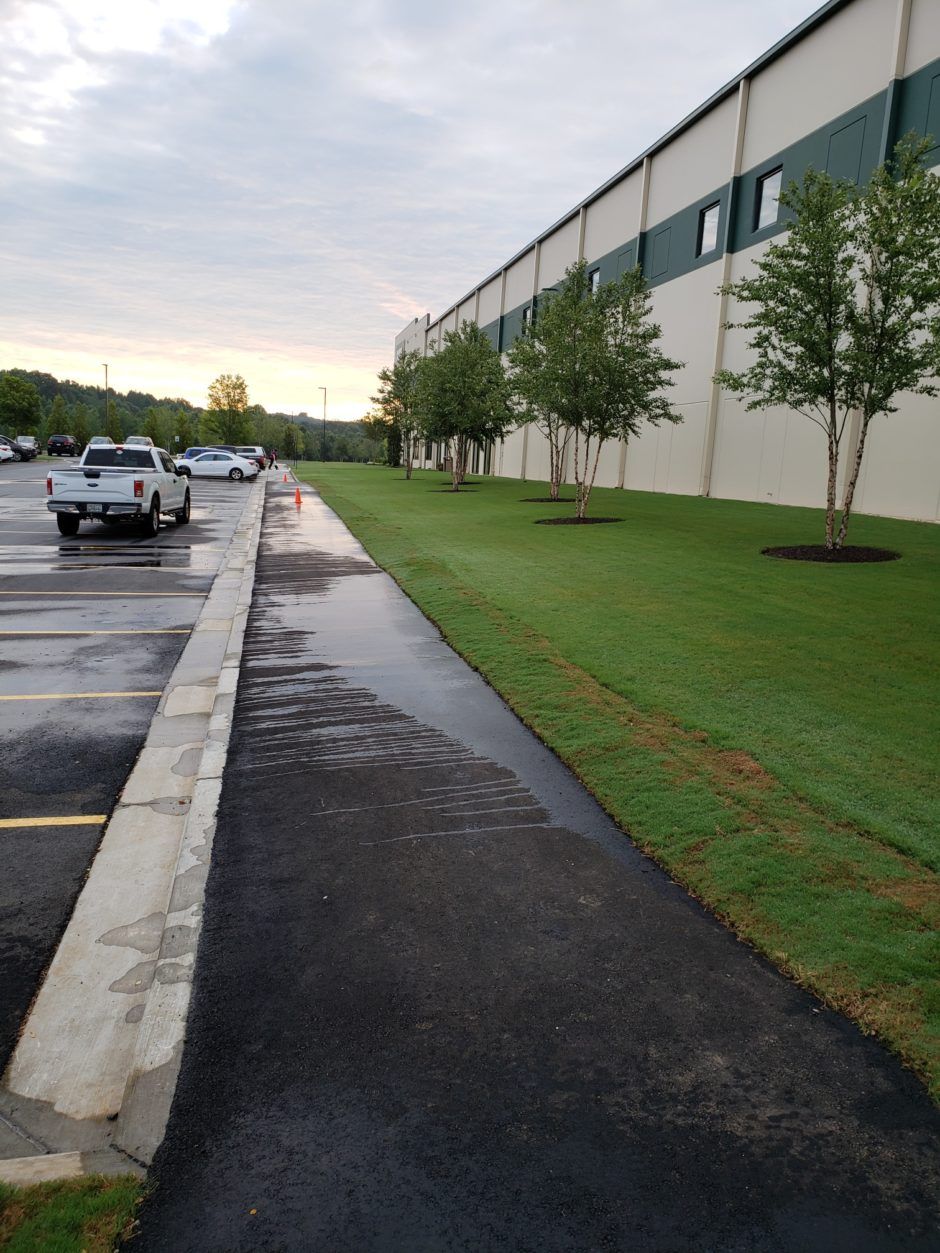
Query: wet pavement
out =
(68, 758)
(442, 1003)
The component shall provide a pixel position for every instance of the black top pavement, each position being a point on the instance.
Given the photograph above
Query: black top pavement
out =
(441, 1003)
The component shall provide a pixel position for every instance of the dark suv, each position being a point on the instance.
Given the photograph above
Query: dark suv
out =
(63, 446)
(21, 452)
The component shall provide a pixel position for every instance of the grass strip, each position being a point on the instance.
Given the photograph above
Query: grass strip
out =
(763, 735)
(86, 1215)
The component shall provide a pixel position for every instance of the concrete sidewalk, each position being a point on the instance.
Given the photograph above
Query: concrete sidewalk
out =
(442, 1003)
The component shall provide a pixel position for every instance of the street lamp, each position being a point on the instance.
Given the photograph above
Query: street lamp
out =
(323, 437)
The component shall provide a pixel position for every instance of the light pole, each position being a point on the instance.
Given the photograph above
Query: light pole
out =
(323, 438)
(106, 415)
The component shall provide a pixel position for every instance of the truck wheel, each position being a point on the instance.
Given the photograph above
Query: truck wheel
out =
(236, 474)
(182, 515)
(151, 525)
(67, 523)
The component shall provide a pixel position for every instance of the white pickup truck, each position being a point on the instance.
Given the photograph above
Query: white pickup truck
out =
(114, 484)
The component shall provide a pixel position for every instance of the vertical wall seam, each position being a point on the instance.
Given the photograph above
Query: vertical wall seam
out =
(714, 391)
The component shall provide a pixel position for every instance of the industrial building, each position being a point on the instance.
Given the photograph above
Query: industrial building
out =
(694, 211)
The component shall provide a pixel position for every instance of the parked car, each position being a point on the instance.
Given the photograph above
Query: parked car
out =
(63, 446)
(118, 484)
(254, 452)
(101, 439)
(6, 454)
(19, 452)
(217, 464)
(138, 441)
(29, 441)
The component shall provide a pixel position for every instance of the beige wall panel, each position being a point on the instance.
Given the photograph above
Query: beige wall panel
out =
(537, 466)
(694, 164)
(558, 251)
(739, 438)
(686, 442)
(900, 473)
(519, 280)
(489, 301)
(923, 44)
(774, 456)
(640, 469)
(449, 323)
(412, 337)
(687, 310)
(843, 62)
(613, 219)
(509, 457)
(608, 468)
(466, 312)
(668, 458)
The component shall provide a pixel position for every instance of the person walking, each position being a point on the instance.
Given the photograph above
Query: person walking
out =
(273, 458)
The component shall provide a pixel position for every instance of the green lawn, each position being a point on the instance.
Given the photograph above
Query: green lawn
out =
(86, 1215)
(767, 730)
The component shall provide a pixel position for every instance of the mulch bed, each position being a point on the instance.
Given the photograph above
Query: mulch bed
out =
(832, 556)
(573, 521)
(451, 491)
(547, 500)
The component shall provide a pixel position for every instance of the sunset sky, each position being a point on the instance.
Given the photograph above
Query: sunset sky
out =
(274, 187)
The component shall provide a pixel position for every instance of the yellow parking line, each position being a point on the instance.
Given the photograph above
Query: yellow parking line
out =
(79, 820)
(75, 695)
(61, 592)
(162, 631)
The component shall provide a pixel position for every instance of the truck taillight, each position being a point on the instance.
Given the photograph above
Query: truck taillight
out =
(139, 489)
(49, 486)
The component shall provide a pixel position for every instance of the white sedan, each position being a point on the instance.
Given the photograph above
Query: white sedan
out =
(225, 465)
(6, 454)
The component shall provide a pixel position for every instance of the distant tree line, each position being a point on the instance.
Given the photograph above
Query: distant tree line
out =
(34, 403)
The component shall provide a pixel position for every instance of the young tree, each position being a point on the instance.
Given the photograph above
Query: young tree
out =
(535, 359)
(112, 423)
(397, 398)
(847, 307)
(184, 430)
(463, 395)
(58, 418)
(598, 369)
(20, 406)
(79, 427)
(154, 427)
(226, 417)
(292, 441)
(376, 429)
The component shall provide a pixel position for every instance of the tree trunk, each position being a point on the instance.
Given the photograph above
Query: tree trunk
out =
(586, 488)
(831, 488)
(850, 486)
(455, 463)
(577, 474)
(554, 463)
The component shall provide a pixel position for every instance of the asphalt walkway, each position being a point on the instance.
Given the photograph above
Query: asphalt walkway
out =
(441, 1003)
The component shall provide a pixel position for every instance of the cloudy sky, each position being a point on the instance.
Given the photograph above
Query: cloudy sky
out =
(274, 187)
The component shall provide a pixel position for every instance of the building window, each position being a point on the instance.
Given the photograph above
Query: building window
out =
(526, 319)
(594, 281)
(707, 230)
(768, 196)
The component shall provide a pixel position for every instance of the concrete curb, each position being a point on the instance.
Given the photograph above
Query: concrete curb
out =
(95, 1068)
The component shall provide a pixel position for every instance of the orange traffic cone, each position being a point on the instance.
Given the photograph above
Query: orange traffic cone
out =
(297, 497)
(284, 480)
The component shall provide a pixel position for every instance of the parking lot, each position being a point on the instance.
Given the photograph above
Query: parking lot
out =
(90, 629)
